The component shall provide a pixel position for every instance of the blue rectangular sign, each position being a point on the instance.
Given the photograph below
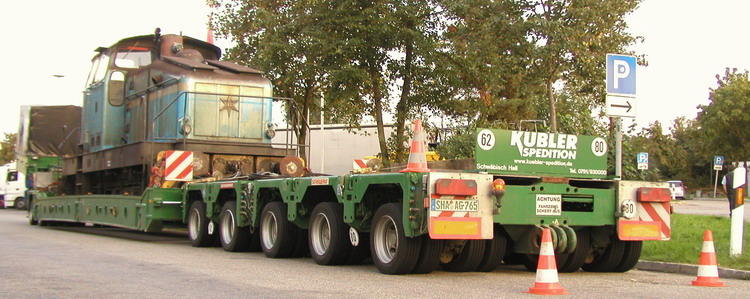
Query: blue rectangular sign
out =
(621, 74)
(642, 157)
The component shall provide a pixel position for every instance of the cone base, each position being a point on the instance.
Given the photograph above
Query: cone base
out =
(547, 289)
(708, 282)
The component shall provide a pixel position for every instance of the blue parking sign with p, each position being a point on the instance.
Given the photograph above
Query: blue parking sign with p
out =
(621, 74)
(642, 157)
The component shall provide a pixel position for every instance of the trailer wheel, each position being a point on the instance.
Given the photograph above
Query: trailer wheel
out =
(608, 260)
(32, 220)
(233, 238)
(468, 259)
(198, 225)
(277, 234)
(20, 204)
(301, 246)
(429, 255)
(630, 257)
(578, 257)
(328, 234)
(392, 251)
(494, 251)
(254, 240)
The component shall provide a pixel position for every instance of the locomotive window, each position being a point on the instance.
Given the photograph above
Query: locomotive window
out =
(98, 69)
(116, 88)
(133, 56)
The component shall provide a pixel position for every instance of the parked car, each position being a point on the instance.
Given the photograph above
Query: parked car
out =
(677, 188)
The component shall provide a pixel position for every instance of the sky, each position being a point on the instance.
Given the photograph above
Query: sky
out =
(48, 44)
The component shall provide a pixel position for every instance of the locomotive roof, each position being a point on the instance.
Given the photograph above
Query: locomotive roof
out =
(193, 42)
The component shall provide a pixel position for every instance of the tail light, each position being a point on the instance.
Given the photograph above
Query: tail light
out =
(456, 187)
(645, 194)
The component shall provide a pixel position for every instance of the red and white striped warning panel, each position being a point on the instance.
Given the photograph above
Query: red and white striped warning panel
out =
(460, 206)
(358, 165)
(645, 211)
(179, 166)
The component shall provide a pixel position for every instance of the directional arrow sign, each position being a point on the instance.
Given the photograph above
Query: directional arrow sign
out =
(620, 106)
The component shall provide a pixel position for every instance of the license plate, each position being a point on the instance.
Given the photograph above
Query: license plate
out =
(455, 205)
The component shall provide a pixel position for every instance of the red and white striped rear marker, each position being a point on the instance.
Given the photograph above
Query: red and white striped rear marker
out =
(179, 166)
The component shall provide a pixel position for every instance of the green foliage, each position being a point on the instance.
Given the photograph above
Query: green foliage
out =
(8, 148)
(460, 144)
(725, 119)
(483, 60)
(687, 239)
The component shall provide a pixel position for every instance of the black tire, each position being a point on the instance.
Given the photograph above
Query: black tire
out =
(578, 257)
(513, 258)
(277, 235)
(608, 260)
(20, 203)
(531, 261)
(429, 255)
(630, 257)
(198, 223)
(328, 235)
(233, 238)
(32, 220)
(254, 240)
(494, 251)
(301, 246)
(469, 257)
(392, 252)
(360, 254)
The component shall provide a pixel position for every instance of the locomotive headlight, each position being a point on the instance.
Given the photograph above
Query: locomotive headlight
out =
(271, 132)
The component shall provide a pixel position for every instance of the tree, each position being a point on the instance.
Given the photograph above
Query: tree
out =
(725, 119)
(8, 148)
(487, 61)
(572, 37)
(340, 50)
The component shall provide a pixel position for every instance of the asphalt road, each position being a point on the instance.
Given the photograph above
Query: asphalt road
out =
(88, 262)
(706, 206)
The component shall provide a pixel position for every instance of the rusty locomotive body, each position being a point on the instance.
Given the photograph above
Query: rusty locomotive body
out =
(147, 95)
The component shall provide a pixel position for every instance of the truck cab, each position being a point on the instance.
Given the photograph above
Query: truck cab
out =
(12, 187)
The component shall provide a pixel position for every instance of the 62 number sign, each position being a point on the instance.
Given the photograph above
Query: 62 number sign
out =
(486, 139)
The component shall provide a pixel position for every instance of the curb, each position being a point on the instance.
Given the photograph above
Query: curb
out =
(689, 269)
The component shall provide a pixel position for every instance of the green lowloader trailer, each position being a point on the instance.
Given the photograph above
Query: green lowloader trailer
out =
(415, 221)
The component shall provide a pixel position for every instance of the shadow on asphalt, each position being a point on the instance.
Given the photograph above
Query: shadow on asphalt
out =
(123, 233)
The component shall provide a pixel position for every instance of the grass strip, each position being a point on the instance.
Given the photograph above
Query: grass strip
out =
(687, 240)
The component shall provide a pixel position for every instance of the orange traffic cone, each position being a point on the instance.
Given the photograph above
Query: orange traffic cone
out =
(417, 155)
(546, 271)
(708, 270)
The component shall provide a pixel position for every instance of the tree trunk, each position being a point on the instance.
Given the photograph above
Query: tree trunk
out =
(552, 108)
(403, 103)
(377, 98)
(304, 125)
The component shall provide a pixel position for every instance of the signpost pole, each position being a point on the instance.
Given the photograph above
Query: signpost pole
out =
(718, 165)
(618, 146)
(620, 101)
(716, 182)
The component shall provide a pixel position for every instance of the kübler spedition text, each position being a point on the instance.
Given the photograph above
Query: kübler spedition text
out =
(545, 145)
